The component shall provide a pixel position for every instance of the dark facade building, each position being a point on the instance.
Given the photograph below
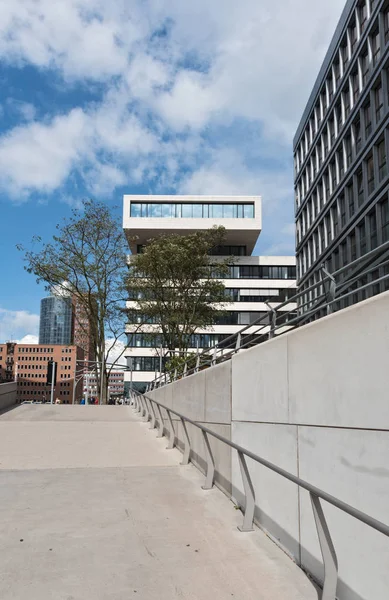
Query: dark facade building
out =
(56, 320)
(341, 149)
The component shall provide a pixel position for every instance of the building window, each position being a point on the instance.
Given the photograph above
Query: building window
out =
(353, 36)
(375, 46)
(341, 163)
(330, 89)
(346, 101)
(192, 210)
(379, 103)
(333, 176)
(357, 136)
(362, 238)
(353, 247)
(372, 229)
(337, 74)
(370, 174)
(325, 143)
(367, 118)
(386, 24)
(342, 211)
(344, 55)
(384, 206)
(349, 153)
(362, 13)
(335, 220)
(360, 190)
(328, 228)
(331, 127)
(382, 165)
(355, 86)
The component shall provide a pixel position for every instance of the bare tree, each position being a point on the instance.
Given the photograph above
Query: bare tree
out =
(87, 259)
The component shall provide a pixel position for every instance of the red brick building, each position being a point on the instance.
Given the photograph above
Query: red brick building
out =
(27, 364)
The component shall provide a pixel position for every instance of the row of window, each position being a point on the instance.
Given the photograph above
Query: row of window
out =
(189, 210)
(372, 231)
(37, 358)
(240, 318)
(373, 170)
(35, 349)
(150, 340)
(146, 363)
(260, 294)
(260, 272)
(364, 124)
(368, 57)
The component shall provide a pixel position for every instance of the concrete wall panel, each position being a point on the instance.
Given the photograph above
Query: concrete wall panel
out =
(260, 383)
(218, 394)
(351, 465)
(189, 396)
(338, 368)
(276, 498)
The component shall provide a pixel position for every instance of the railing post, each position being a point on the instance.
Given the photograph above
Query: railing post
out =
(331, 289)
(185, 369)
(143, 409)
(197, 363)
(238, 342)
(327, 550)
(213, 362)
(210, 476)
(172, 436)
(185, 458)
(249, 495)
(147, 411)
(160, 424)
(175, 374)
(153, 419)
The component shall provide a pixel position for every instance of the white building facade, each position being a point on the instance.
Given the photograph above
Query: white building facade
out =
(254, 282)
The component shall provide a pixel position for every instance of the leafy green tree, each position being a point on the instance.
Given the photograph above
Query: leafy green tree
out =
(87, 259)
(176, 287)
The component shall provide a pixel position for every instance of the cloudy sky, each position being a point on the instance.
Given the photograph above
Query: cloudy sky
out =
(103, 98)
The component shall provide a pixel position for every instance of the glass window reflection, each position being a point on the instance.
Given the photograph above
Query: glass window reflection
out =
(190, 210)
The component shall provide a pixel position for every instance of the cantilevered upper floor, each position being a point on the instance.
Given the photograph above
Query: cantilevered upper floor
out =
(146, 217)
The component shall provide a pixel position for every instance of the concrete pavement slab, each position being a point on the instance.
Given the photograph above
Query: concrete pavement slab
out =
(145, 529)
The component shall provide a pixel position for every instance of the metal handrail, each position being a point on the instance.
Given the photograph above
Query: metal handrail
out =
(265, 330)
(145, 405)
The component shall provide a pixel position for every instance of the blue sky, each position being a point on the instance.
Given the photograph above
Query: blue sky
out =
(103, 98)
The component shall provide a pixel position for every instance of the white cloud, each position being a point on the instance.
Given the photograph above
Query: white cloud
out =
(15, 324)
(25, 110)
(41, 155)
(29, 339)
(115, 350)
(174, 74)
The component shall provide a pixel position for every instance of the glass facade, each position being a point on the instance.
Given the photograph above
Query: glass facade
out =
(259, 272)
(341, 149)
(192, 210)
(153, 340)
(260, 294)
(55, 324)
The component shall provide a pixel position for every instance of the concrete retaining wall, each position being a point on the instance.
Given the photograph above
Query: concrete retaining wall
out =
(206, 398)
(315, 402)
(7, 395)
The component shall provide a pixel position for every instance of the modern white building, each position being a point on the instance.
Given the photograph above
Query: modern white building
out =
(253, 281)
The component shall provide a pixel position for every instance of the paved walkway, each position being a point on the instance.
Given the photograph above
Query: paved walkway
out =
(94, 508)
